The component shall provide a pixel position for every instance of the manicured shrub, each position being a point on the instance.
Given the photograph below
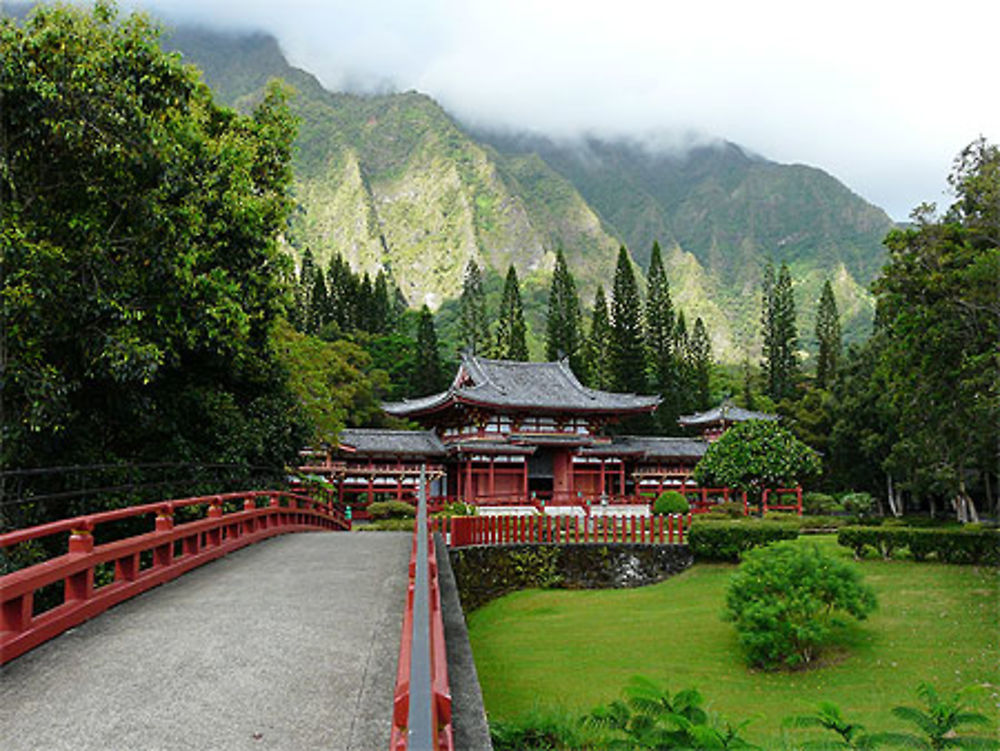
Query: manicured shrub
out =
(948, 545)
(728, 540)
(732, 509)
(858, 504)
(457, 509)
(819, 503)
(785, 600)
(391, 510)
(671, 502)
(387, 525)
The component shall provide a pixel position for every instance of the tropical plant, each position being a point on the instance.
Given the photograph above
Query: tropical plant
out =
(648, 717)
(940, 721)
(829, 717)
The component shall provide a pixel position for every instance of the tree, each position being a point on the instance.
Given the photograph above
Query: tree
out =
(626, 353)
(755, 455)
(382, 307)
(828, 337)
(141, 270)
(780, 363)
(597, 358)
(511, 342)
(663, 357)
(785, 600)
(700, 355)
(939, 315)
(474, 327)
(563, 333)
(428, 373)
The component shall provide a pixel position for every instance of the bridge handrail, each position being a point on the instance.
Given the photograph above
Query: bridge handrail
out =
(172, 551)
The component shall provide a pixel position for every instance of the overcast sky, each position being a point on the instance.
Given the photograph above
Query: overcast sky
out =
(882, 95)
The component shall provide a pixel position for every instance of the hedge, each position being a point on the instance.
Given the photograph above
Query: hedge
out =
(965, 546)
(727, 540)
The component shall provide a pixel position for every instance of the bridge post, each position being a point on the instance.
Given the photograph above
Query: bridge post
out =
(80, 586)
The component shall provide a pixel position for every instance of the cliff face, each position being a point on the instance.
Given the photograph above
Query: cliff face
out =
(392, 181)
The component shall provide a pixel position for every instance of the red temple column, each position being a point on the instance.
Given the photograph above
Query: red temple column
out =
(493, 489)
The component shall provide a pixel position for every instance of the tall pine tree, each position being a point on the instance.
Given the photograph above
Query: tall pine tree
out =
(597, 366)
(563, 332)
(627, 353)
(780, 333)
(828, 337)
(427, 371)
(663, 367)
(511, 340)
(701, 364)
(474, 326)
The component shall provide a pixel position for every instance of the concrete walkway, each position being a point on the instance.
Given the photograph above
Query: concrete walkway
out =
(288, 644)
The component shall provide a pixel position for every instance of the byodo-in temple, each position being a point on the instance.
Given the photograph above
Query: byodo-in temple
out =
(507, 433)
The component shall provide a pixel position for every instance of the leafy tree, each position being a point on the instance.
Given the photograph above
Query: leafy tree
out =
(597, 353)
(940, 722)
(563, 333)
(428, 375)
(939, 312)
(626, 353)
(828, 337)
(780, 363)
(650, 717)
(511, 342)
(474, 326)
(785, 600)
(754, 455)
(141, 271)
(700, 358)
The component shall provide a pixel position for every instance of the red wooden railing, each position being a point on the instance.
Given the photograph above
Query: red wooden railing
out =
(779, 492)
(440, 690)
(461, 531)
(140, 561)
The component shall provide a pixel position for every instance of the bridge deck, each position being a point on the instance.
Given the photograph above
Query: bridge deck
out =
(288, 644)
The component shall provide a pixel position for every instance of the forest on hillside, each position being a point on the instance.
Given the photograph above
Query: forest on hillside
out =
(152, 319)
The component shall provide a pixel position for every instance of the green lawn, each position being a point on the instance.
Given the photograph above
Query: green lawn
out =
(572, 650)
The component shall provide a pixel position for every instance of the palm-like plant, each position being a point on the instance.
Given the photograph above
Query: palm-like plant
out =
(649, 718)
(829, 717)
(940, 722)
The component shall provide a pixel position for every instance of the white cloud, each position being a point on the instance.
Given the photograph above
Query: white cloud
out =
(881, 94)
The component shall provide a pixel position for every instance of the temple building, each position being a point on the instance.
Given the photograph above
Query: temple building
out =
(513, 432)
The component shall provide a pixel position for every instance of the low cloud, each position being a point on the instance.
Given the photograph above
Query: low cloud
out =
(881, 95)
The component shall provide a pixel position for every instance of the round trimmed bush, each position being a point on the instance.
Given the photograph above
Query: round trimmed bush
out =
(671, 502)
(391, 510)
(819, 504)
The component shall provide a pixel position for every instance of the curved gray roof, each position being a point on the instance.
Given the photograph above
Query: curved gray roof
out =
(651, 447)
(377, 441)
(728, 412)
(531, 385)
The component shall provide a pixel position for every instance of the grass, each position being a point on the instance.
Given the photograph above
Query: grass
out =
(568, 651)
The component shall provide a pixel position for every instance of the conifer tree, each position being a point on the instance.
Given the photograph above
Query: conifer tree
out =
(474, 327)
(828, 336)
(563, 330)
(382, 308)
(663, 366)
(511, 342)
(626, 351)
(780, 361)
(597, 369)
(685, 375)
(364, 304)
(427, 371)
(341, 293)
(701, 364)
(303, 290)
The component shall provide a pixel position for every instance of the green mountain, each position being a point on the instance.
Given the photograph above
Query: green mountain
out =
(392, 181)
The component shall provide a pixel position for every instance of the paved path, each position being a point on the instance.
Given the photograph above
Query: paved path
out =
(287, 644)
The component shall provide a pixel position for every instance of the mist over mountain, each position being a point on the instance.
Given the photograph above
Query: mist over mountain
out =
(393, 181)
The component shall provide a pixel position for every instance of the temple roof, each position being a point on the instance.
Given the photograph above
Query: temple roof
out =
(377, 441)
(725, 412)
(650, 447)
(508, 384)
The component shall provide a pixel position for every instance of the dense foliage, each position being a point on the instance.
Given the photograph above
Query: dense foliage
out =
(626, 351)
(718, 540)
(827, 337)
(563, 331)
(141, 273)
(755, 455)
(979, 547)
(510, 342)
(785, 600)
(671, 502)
